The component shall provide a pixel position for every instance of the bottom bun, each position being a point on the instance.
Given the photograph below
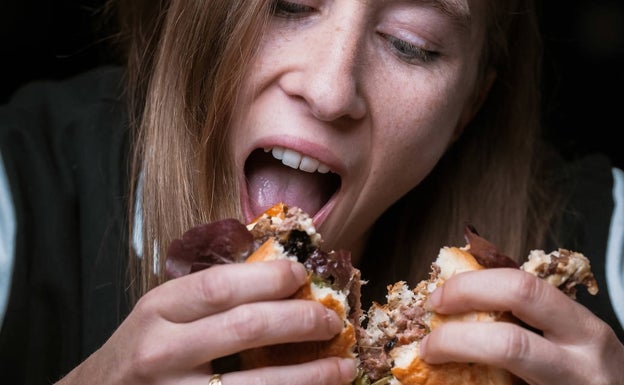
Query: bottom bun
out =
(409, 369)
(389, 346)
(341, 345)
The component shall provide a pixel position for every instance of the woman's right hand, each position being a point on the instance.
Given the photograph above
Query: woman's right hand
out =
(177, 329)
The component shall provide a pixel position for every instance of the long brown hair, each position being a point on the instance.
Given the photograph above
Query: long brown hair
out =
(184, 63)
(185, 59)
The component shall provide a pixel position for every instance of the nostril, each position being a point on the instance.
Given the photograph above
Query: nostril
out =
(334, 101)
(329, 90)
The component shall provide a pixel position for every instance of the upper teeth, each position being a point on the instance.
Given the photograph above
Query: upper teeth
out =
(296, 160)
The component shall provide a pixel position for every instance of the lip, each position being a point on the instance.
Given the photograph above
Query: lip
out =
(305, 147)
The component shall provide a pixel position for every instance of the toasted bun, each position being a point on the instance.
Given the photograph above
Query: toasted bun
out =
(390, 344)
(451, 261)
(270, 250)
(409, 369)
(341, 345)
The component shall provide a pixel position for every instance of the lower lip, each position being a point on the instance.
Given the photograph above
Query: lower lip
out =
(247, 214)
(323, 213)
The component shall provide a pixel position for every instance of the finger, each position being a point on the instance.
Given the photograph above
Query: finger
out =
(527, 297)
(223, 287)
(253, 325)
(500, 344)
(329, 371)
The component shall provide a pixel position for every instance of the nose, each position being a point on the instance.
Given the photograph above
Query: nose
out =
(329, 74)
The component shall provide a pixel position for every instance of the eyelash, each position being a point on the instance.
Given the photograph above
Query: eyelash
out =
(408, 52)
(289, 10)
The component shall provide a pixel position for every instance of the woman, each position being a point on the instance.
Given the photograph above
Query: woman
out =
(395, 122)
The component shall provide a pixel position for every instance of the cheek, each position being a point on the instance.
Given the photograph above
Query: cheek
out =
(414, 134)
(264, 70)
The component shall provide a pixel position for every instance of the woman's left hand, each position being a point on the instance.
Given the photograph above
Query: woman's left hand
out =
(575, 347)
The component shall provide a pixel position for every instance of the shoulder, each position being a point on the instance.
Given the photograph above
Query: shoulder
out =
(52, 123)
(93, 85)
(55, 103)
(61, 134)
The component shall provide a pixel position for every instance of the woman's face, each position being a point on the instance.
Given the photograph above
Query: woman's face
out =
(372, 90)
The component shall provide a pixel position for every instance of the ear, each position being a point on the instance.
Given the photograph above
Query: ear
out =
(474, 104)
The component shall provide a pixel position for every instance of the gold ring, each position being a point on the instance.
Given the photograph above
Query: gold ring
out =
(215, 379)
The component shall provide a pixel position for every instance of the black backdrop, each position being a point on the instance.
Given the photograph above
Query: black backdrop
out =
(584, 61)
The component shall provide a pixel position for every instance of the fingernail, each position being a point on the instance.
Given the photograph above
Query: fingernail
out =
(334, 322)
(348, 369)
(423, 346)
(433, 302)
(299, 272)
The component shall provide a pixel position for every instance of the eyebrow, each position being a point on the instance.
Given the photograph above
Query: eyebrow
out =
(457, 10)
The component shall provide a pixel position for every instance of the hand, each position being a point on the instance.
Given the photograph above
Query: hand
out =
(177, 329)
(576, 347)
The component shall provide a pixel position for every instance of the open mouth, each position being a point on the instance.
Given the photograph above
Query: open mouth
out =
(282, 175)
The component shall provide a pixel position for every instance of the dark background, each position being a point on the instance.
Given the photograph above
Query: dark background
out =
(584, 61)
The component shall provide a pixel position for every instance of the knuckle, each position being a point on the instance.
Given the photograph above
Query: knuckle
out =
(145, 357)
(145, 302)
(601, 333)
(311, 318)
(247, 325)
(144, 360)
(516, 345)
(529, 288)
(215, 289)
(251, 325)
(146, 305)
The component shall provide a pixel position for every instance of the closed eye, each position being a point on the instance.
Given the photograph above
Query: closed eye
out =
(409, 52)
(290, 10)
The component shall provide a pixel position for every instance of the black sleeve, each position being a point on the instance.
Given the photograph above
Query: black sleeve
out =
(585, 226)
(64, 146)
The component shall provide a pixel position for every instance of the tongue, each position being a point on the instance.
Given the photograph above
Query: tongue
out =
(270, 182)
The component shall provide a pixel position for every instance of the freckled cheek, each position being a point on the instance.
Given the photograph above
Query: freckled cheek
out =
(411, 158)
(413, 143)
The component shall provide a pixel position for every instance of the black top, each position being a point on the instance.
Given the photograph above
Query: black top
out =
(65, 148)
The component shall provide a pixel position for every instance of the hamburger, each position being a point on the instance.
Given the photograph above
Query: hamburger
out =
(281, 232)
(285, 232)
(389, 344)
(386, 338)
